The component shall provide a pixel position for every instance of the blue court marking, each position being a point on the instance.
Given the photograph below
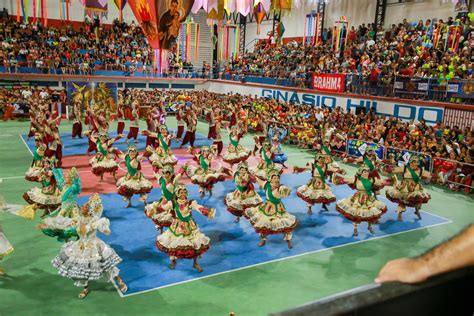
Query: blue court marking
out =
(78, 146)
(235, 246)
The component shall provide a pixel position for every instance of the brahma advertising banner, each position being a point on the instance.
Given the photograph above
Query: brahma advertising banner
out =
(328, 82)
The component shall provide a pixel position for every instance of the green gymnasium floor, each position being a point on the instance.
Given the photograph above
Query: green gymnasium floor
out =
(32, 286)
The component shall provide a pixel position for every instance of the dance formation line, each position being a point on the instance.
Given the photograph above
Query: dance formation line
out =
(235, 246)
(258, 197)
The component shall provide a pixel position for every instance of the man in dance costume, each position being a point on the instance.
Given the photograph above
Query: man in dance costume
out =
(191, 124)
(180, 116)
(77, 123)
(134, 124)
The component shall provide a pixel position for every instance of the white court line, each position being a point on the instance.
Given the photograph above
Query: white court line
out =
(10, 178)
(24, 142)
(286, 258)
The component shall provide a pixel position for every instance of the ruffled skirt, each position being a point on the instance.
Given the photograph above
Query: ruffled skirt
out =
(88, 262)
(235, 155)
(270, 224)
(183, 247)
(312, 195)
(32, 174)
(99, 167)
(410, 199)
(60, 227)
(236, 205)
(42, 200)
(361, 208)
(204, 179)
(163, 160)
(160, 213)
(261, 173)
(128, 186)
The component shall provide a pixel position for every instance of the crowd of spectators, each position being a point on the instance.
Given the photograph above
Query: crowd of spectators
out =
(16, 102)
(308, 126)
(74, 51)
(379, 55)
(451, 147)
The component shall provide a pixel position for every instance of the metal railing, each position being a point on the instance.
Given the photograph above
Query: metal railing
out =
(414, 88)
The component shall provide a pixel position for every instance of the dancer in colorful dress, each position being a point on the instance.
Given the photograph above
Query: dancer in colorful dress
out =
(104, 159)
(161, 211)
(203, 175)
(244, 195)
(363, 206)
(161, 155)
(266, 163)
(47, 198)
(409, 192)
(89, 258)
(235, 152)
(133, 182)
(61, 224)
(316, 190)
(371, 161)
(271, 217)
(183, 240)
(276, 135)
(33, 172)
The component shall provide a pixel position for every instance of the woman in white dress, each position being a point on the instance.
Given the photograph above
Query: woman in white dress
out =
(89, 258)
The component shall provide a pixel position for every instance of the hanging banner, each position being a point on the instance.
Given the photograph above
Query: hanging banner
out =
(101, 95)
(120, 4)
(161, 19)
(97, 6)
(328, 82)
(357, 148)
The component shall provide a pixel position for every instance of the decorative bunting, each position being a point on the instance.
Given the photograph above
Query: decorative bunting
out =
(161, 19)
(120, 4)
(259, 14)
